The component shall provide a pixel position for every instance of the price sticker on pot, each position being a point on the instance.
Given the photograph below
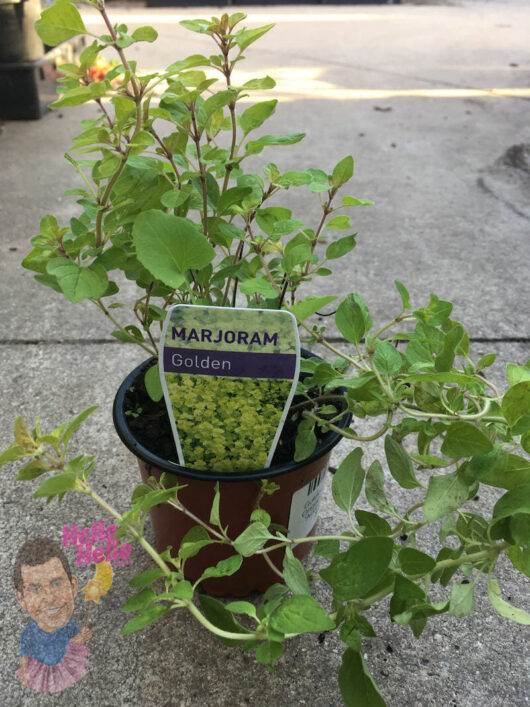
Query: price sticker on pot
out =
(228, 376)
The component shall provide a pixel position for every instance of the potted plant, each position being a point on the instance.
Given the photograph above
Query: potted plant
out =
(166, 204)
(446, 429)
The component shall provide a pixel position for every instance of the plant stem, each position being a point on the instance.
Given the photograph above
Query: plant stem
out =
(105, 198)
(134, 533)
(168, 154)
(348, 433)
(455, 416)
(135, 86)
(100, 304)
(196, 137)
(218, 631)
(210, 530)
(473, 557)
(272, 566)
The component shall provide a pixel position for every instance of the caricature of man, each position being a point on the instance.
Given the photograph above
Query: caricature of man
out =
(53, 654)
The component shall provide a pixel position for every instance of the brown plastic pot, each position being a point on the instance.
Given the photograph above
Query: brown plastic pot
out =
(294, 506)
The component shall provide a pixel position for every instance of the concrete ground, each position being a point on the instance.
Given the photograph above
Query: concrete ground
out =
(432, 100)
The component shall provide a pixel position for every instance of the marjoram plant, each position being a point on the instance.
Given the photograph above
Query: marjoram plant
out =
(175, 213)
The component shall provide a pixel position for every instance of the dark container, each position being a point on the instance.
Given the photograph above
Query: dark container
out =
(294, 506)
(28, 87)
(19, 42)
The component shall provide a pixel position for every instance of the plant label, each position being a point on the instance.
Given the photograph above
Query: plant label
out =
(228, 376)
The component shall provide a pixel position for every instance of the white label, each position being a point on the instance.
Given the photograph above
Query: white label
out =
(228, 373)
(305, 506)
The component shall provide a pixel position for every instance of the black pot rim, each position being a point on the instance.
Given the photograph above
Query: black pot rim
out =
(126, 436)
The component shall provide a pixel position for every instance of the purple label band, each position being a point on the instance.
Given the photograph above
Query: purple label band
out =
(236, 364)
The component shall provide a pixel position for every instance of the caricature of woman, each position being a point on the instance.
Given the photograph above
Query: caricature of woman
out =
(53, 654)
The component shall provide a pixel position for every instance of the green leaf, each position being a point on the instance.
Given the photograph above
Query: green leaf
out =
(374, 489)
(153, 384)
(147, 617)
(173, 198)
(245, 37)
(219, 615)
(352, 201)
(141, 140)
(436, 313)
(348, 480)
(486, 361)
(261, 516)
(406, 594)
(445, 494)
(57, 484)
(242, 607)
(195, 539)
(168, 246)
(215, 518)
(255, 146)
(294, 573)
(311, 305)
(503, 608)
(82, 94)
(465, 440)
(498, 468)
(199, 25)
(77, 282)
(252, 539)
(258, 285)
(219, 100)
(442, 377)
(140, 600)
(352, 574)
(515, 501)
(520, 528)
(256, 115)
(341, 247)
(517, 374)
(145, 34)
(77, 422)
(301, 614)
(399, 464)
(147, 577)
(32, 470)
(12, 453)
(413, 561)
(405, 297)
(342, 172)
(231, 197)
(327, 548)
(182, 590)
(306, 441)
(263, 84)
(224, 568)
(269, 652)
(339, 223)
(23, 436)
(350, 320)
(519, 558)
(372, 524)
(59, 22)
(357, 686)
(387, 359)
(516, 402)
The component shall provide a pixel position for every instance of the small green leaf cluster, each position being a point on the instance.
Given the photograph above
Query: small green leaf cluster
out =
(165, 200)
(226, 424)
(47, 452)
